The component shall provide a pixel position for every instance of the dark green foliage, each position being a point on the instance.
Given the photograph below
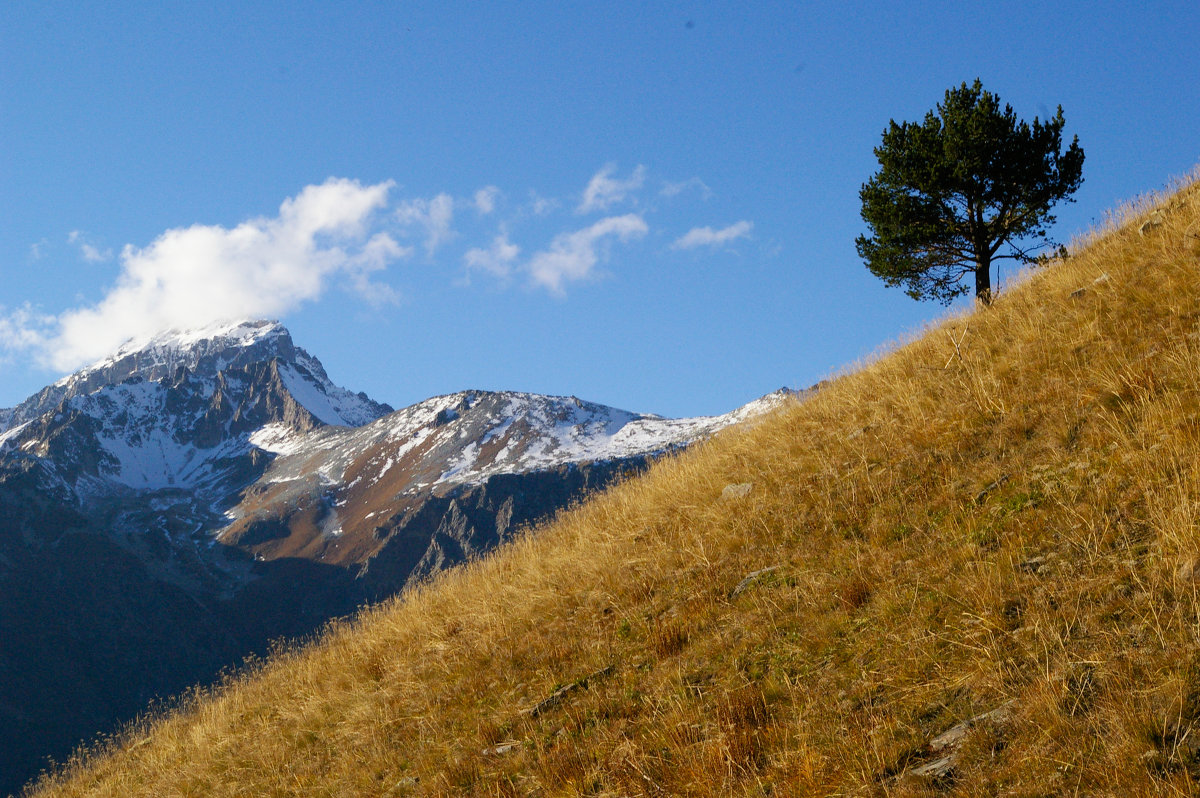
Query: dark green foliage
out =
(970, 185)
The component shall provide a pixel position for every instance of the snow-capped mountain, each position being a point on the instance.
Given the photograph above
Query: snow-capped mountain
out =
(202, 492)
(362, 485)
(178, 410)
(223, 430)
(205, 353)
(466, 437)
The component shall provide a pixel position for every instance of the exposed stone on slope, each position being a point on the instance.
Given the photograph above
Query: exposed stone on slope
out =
(944, 748)
(750, 579)
(736, 491)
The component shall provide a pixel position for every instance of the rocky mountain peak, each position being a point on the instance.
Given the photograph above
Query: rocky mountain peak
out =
(208, 348)
(208, 352)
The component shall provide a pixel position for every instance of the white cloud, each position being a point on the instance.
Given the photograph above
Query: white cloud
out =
(93, 255)
(496, 260)
(193, 276)
(485, 199)
(88, 251)
(374, 256)
(573, 256)
(604, 190)
(708, 237)
(22, 329)
(434, 215)
(675, 189)
(539, 205)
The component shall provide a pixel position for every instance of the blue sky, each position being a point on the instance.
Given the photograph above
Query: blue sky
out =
(649, 205)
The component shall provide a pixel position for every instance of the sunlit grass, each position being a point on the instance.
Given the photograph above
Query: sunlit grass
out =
(1002, 512)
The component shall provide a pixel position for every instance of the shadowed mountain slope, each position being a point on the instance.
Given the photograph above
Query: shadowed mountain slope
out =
(969, 567)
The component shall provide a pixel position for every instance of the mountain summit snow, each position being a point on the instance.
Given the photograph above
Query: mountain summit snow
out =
(207, 352)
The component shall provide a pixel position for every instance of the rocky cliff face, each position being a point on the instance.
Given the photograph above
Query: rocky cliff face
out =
(203, 353)
(172, 509)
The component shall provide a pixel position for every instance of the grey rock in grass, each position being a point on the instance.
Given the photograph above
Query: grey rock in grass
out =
(1155, 220)
(750, 579)
(736, 491)
(946, 744)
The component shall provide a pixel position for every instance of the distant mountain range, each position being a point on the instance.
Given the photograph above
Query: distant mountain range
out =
(173, 508)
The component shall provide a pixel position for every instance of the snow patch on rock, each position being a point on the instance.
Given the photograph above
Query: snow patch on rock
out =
(278, 439)
(181, 347)
(468, 437)
(330, 403)
(9, 434)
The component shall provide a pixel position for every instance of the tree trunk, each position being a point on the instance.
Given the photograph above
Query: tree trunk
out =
(983, 282)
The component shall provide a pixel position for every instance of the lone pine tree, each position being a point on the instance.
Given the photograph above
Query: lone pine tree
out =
(968, 186)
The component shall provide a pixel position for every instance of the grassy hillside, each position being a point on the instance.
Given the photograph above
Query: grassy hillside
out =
(985, 579)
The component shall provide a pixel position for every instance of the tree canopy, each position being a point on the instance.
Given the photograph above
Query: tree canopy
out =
(968, 186)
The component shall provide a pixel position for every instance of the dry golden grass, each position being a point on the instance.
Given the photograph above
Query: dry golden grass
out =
(1003, 512)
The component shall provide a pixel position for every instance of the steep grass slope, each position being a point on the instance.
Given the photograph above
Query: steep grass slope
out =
(985, 579)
